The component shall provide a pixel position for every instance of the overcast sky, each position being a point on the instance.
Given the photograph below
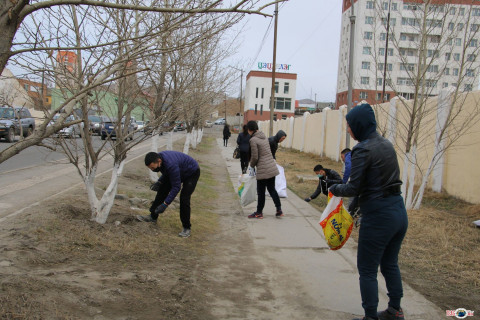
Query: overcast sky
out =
(308, 39)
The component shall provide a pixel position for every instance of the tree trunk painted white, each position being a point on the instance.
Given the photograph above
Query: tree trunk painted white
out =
(411, 177)
(392, 121)
(323, 131)
(186, 146)
(341, 129)
(291, 126)
(101, 208)
(170, 141)
(193, 140)
(199, 136)
(305, 116)
(153, 175)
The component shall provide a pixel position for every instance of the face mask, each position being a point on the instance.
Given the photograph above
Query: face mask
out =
(320, 176)
(156, 170)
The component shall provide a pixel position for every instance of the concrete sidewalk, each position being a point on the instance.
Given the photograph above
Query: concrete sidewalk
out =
(296, 242)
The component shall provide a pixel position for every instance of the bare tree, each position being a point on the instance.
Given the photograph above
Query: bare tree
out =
(437, 47)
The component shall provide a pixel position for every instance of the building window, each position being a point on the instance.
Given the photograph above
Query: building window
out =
(366, 65)
(390, 52)
(446, 71)
(367, 50)
(407, 67)
(455, 71)
(379, 96)
(286, 88)
(473, 43)
(476, 12)
(474, 27)
(432, 68)
(432, 53)
(284, 116)
(452, 11)
(368, 20)
(256, 106)
(385, 5)
(471, 57)
(460, 26)
(283, 103)
(381, 66)
(363, 95)
(369, 5)
(364, 80)
(256, 93)
(394, 7)
(381, 51)
(379, 81)
(447, 56)
(387, 96)
(274, 117)
(456, 56)
(261, 109)
(445, 84)
(276, 87)
(368, 35)
(468, 87)
(263, 90)
(470, 73)
(461, 11)
(458, 41)
(451, 26)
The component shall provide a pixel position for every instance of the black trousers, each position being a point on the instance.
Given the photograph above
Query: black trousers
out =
(225, 142)
(268, 184)
(244, 161)
(188, 187)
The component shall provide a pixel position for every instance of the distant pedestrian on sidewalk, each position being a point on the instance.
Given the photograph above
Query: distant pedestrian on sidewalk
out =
(375, 180)
(177, 168)
(243, 141)
(326, 179)
(275, 140)
(261, 158)
(226, 134)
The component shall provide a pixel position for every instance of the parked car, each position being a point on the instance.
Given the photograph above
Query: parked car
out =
(180, 126)
(95, 123)
(12, 119)
(208, 124)
(70, 131)
(220, 121)
(109, 129)
(141, 125)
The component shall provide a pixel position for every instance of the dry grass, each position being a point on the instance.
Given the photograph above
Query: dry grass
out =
(439, 257)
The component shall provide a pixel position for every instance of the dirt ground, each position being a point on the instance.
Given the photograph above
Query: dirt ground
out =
(57, 264)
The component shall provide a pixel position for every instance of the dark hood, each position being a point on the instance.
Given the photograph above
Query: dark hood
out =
(279, 135)
(361, 120)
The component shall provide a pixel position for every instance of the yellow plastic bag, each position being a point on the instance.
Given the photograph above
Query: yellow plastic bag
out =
(336, 222)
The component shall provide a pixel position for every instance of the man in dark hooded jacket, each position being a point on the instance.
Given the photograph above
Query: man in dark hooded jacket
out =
(275, 140)
(374, 179)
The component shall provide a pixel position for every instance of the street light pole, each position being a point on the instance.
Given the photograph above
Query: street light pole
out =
(272, 96)
(350, 68)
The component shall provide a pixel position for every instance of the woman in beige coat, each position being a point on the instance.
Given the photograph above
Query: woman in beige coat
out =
(261, 158)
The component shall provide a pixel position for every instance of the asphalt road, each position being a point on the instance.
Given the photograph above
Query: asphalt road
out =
(37, 174)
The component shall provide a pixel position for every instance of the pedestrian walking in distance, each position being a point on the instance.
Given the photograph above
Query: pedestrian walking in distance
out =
(243, 141)
(226, 134)
(180, 173)
(266, 168)
(375, 181)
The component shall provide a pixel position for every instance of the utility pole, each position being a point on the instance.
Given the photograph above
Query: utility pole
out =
(272, 96)
(350, 68)
(241, 90)
(386, 52)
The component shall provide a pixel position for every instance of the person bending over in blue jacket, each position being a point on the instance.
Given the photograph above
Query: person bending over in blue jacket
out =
(375, 181)
(177, 168)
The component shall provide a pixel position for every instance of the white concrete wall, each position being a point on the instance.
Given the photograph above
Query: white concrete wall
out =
(325, 134)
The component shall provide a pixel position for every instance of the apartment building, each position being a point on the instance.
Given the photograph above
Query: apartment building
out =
(432, 43)
(258, 91)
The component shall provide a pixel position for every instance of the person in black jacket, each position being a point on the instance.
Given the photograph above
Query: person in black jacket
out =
(275, 140)
(243, 141)
(326, 179)
(375, 182)
(226, 134)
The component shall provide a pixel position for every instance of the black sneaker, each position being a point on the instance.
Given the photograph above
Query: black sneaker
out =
(391, 314)
(256, 215)
(279, 214)
(365, 318)
(185, 233)
(145, 218)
